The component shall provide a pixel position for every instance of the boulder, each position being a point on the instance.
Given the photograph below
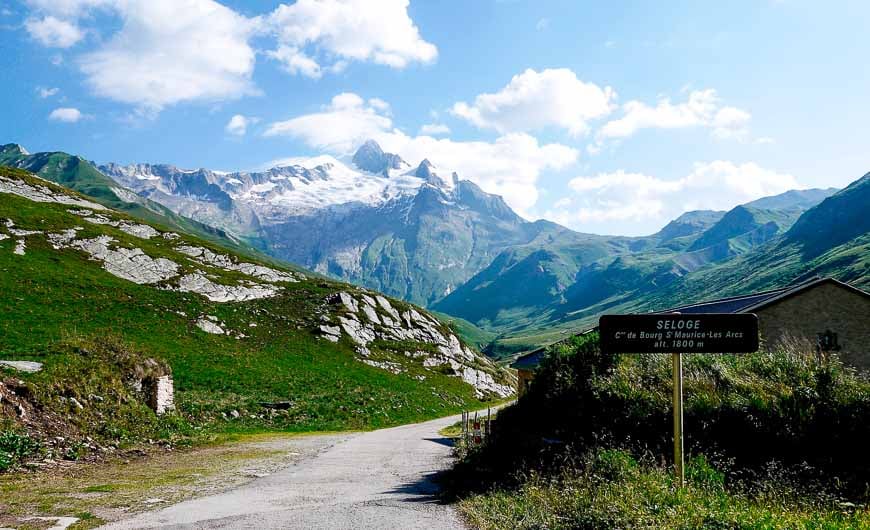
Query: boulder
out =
(29, 367)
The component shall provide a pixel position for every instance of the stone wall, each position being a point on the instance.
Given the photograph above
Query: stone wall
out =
(824, 307)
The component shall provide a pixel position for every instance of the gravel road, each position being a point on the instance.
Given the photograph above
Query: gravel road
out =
(379, 479)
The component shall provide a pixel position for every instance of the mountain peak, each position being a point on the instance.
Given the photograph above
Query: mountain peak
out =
(370, 157)
(13, 149)
(426, 172)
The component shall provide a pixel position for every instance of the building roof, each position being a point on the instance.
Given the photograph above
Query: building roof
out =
(531, 360)
(746, 303)
(751, 302)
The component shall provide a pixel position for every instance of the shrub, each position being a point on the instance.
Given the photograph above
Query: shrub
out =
(611, 489)
(15, 447)
(742, 413)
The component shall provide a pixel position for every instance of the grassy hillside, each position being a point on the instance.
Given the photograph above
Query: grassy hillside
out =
(55, 305)
(747, 249)
(77, 174)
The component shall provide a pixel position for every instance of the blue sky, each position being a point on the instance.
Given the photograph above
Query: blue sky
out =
(609, 117)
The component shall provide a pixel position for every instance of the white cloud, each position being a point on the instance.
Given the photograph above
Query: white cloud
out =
(535, 100)
(46, 92)
(54, 32)
(165, 52)
(66, 114)
(238, 124)
(380, 105)
(701, 109)
(648, 202)
(338, 31)
(341, 126)
(434, 129)
(731, 122)
(509, 166)
(169, 51)
(294, 61)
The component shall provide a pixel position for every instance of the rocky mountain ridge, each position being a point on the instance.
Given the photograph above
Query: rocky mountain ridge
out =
(376, 221)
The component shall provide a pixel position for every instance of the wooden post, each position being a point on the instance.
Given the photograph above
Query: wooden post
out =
(679, 455)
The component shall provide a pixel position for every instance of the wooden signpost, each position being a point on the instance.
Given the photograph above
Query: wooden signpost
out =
(676, 334)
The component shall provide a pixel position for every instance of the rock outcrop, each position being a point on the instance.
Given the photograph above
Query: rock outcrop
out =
(40, 193)
(135, 265)
(365, 318)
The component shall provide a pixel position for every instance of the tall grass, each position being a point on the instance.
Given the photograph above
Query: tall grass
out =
(783, 421)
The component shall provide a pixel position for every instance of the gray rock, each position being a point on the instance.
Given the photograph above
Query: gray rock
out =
(198, 283)
(43, 194)
(371, 314)
(139, 230)
(388, 307)
(358, 332)
(130, 264)
(391, 367)
(205, 256)
(349, 302)
(209, 327)
(29, 367)
(62, 239)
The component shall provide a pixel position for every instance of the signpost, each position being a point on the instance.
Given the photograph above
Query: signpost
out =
(676, 334)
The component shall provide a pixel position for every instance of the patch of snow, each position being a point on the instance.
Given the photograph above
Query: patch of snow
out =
(20, 245)
(263, 188)
(295, 191)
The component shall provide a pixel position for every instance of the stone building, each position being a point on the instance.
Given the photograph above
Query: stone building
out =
(827, 313)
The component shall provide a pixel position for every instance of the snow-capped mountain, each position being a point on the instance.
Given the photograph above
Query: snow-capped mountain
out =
(300, 187)
(374, 219)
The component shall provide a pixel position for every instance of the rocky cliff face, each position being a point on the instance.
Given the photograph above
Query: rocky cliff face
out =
(368, 317)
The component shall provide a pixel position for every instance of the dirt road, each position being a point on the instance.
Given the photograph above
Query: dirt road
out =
(379, 479)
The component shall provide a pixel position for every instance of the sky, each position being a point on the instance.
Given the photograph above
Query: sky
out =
(607, 117)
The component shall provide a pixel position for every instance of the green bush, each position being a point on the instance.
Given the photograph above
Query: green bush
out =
(751, 421)
(15, 447)
(611, 489)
